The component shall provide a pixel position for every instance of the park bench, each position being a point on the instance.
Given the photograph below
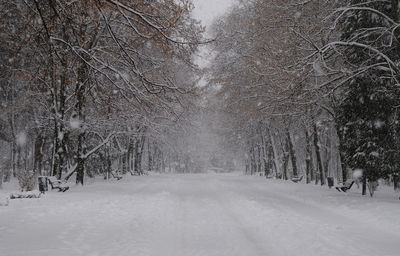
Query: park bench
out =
(139, 173)
(115, 175)
(346, 186)
(297, 179)
(57, 184)
(28, 194)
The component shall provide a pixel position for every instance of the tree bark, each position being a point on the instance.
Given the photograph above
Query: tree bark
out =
(259, 162)
(308, 157)
(285, 159)
(396, 182)
(327, 155)
(252, 160)
(318, 154)
(292, 154)
(1, 177)
(264, 155)
(80, 96)
(62, 135)
(130, 155)
(364, 185)
(38, 160)
(150, 156)
(275, 153)
(139, 145)
(13, 135)
(342, 155)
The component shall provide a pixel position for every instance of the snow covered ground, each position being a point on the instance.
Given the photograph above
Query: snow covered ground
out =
(204, 214)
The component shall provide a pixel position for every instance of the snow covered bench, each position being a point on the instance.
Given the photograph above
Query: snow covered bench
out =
(57, 184)
(28, 194)
(115, 175)
(346, 186)
(297, 179)
(139, 173)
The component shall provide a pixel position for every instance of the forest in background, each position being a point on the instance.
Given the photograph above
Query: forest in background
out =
(296, 88)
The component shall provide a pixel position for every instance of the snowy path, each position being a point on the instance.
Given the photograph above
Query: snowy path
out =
(194, 215)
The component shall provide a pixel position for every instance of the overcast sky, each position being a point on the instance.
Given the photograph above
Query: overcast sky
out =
(207, 10)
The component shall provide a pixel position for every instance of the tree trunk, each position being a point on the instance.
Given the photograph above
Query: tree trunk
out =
(80, 169)
(14, 158)
(130, 155)
(13, 135)
(275, 153)
(19, 154)
(61, 152)
(318, 154)
(312, 170)
(259, 159)
(124, 163)
(342, 155)
(80, 96)
(308, 156)
(327, 155)
(109, 161)
(136, 157)
(150, 156)
(364, 185)
(251, 159)
(1, 177)
(292, 154)
(62, 136)
(38, 159)
(264, 155)
(254, 162)
(162, 161)
(396, 182)
(11, 168)
(159, 158)
(55, 108)
(139, 145)
(285, 159)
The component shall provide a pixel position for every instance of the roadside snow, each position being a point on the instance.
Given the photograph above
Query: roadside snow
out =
(190, 215)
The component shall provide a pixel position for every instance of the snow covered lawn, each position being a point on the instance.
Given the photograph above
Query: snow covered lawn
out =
(190, 215)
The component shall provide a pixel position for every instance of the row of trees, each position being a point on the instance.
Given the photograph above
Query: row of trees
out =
(311, 87)
(91, 86)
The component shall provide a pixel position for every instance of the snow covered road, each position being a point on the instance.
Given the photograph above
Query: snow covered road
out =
(193, 215)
